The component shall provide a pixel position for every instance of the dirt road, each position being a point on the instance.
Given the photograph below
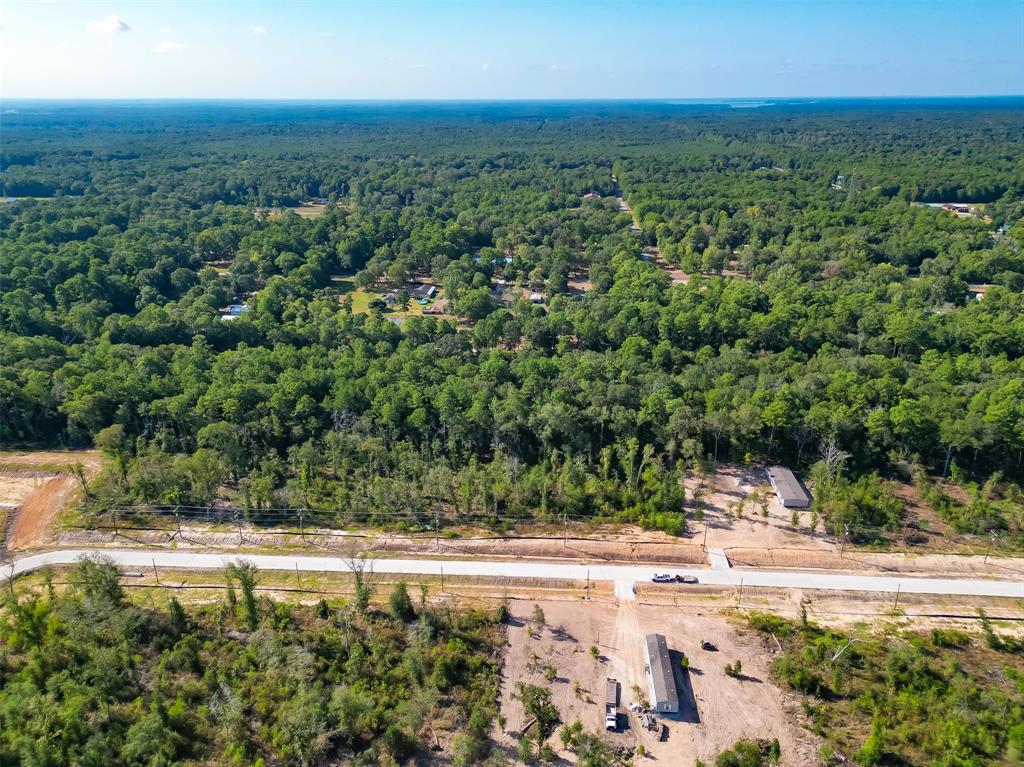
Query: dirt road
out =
(35, 486)
(39, 511)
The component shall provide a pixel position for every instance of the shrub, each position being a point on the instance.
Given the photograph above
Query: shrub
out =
(798, 676)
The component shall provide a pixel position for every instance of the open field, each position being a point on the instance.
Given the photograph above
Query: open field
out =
(307, 210)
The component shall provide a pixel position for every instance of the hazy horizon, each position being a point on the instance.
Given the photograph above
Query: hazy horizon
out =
(481, 51)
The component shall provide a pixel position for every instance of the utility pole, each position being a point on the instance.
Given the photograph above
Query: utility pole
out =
(896, 602)
(302, 527)
(565, 531)
(991, 544)
(704, 543)
(846, 534)
(156, 574)
(740, 602)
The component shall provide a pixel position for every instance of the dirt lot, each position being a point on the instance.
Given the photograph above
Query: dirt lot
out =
(50, 460)
(732, 485)
(715, 710)
(40, 510)
(35, 486)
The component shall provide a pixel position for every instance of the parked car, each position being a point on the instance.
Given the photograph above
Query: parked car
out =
(686, 579)
(663, 578)
(709, 646)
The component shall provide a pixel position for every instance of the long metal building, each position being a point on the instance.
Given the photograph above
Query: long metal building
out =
(787, 487)
(660, 677)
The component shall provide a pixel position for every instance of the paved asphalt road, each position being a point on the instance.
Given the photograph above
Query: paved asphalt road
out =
(623, 576)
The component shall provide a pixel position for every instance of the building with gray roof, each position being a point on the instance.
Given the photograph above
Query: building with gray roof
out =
(787, 487)
(660, 677)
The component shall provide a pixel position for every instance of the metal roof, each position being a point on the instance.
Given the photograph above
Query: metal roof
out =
(787, 486)
(662, 678)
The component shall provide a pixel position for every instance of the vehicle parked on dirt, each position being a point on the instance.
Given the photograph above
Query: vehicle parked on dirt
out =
(709, 646)
(686, 579)
(663, 578)
(611, 702)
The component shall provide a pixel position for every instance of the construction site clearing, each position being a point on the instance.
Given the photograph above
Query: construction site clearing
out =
(715, 709)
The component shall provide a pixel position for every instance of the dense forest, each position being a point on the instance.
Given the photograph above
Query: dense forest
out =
(829, 309)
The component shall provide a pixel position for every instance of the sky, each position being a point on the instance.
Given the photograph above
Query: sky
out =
(511, 49)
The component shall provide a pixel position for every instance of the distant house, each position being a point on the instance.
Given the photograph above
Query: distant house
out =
(956, 209)
(423, 292)
(660, 677)
(592, 196)
(536, 298)
(233, 311)
(787, 487)
(977, 292)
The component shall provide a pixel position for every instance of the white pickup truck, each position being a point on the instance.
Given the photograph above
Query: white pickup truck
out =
(611, 718)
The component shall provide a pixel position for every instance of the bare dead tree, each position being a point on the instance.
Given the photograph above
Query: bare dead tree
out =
(833, 458)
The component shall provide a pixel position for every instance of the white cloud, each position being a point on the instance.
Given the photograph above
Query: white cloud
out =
(419, 66)
(169, 46)
(553, 67)
(259, 29)
(485, 66)
(111, 24)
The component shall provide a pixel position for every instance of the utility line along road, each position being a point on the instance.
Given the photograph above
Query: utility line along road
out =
(623, 576)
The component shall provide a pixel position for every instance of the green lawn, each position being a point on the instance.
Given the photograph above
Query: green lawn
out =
(361, 298)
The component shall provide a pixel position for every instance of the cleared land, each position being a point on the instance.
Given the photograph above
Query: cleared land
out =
(35, 487)
(715, 710)
(360, 299)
